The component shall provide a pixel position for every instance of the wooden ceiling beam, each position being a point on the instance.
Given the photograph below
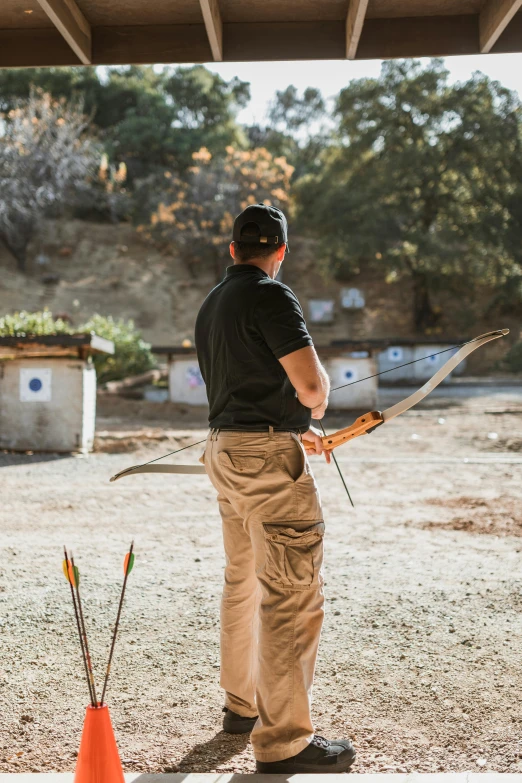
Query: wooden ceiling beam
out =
(354, 25)
(72, 25)
(494, 18)
(214, 27)
(188, 43)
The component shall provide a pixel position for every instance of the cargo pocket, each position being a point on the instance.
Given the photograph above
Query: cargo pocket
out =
(294, 557)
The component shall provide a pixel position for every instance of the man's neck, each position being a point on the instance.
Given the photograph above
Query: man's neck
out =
(266, 264)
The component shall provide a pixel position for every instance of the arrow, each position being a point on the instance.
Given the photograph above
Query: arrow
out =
(74, 578)
(66, 566)
(128, 565)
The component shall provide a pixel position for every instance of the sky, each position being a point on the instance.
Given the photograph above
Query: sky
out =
(331, 75)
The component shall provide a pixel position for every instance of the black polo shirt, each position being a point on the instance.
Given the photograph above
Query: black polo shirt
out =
(244, 326)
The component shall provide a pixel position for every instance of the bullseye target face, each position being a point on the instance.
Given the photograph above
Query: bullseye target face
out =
(395, 354)
(349, 374)
(35, 384)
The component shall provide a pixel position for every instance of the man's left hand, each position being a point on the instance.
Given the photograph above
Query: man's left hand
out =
(313, 444)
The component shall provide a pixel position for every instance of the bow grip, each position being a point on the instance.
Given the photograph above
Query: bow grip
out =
(363, 425)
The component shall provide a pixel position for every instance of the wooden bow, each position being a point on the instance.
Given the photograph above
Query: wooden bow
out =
(364, 425)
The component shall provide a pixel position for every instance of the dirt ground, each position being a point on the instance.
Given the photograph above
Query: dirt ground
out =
(421, 657)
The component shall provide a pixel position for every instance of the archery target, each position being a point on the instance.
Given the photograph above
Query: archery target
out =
(35, 385)
(350, 374)
(395, 354)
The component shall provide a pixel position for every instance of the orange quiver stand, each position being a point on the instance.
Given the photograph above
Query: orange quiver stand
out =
(98, 759)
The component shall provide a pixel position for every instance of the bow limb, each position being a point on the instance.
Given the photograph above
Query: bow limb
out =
(151, 467)
(370, 421)
(195, 469)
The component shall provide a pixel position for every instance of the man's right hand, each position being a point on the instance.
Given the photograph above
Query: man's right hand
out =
(320, 410)
(313, 444)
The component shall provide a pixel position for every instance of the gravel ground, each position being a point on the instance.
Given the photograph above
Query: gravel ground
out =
(420, 661)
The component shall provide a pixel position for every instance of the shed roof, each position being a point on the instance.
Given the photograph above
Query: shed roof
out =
(97, 32)
(57, 345)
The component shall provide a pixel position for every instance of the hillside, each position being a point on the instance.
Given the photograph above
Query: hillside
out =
(77, 268)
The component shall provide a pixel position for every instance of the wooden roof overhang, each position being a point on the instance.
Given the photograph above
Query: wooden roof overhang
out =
(115, 32)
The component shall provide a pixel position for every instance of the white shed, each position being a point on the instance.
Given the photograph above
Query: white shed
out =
(352, 368)
(186, 384)
(344, 365)
(427, 356)
(48, 392)
(390, 361)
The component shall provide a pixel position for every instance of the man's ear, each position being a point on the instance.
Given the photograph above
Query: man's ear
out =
(281, 252)
(232, 250)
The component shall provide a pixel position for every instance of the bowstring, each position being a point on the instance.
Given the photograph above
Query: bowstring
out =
(336, 388)
(170, 453)
(406, 364)
(368, 377)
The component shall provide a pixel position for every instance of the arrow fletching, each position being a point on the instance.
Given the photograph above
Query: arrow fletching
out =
(65, 567)
(128, 563)
(74, 576)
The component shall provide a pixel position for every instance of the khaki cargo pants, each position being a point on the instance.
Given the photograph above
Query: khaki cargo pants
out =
(272, 605)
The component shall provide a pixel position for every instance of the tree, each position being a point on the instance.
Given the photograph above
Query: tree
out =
(195, 215)
(291, 113)
(205, 108)
(296, 129)
(132, 355)
(143, 117)
(44, 154)
(421, 182)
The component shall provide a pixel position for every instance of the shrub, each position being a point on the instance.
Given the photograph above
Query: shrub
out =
(132, 354)
(23, 323)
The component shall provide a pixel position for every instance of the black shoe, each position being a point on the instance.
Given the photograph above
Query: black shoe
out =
(320, 755)
(237, 724)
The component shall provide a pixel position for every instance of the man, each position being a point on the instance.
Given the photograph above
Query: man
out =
(264, 384)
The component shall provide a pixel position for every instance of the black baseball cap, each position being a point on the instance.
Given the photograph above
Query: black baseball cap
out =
(271, 222)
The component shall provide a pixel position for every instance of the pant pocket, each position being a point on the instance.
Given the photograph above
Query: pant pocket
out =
(241, 463)
(293, 461)
(294, 557)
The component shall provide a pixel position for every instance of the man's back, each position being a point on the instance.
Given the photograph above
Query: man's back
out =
(245, 325)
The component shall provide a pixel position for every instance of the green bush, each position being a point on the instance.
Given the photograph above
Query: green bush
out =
(24, 323)
(131, 354)
(512, 361)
